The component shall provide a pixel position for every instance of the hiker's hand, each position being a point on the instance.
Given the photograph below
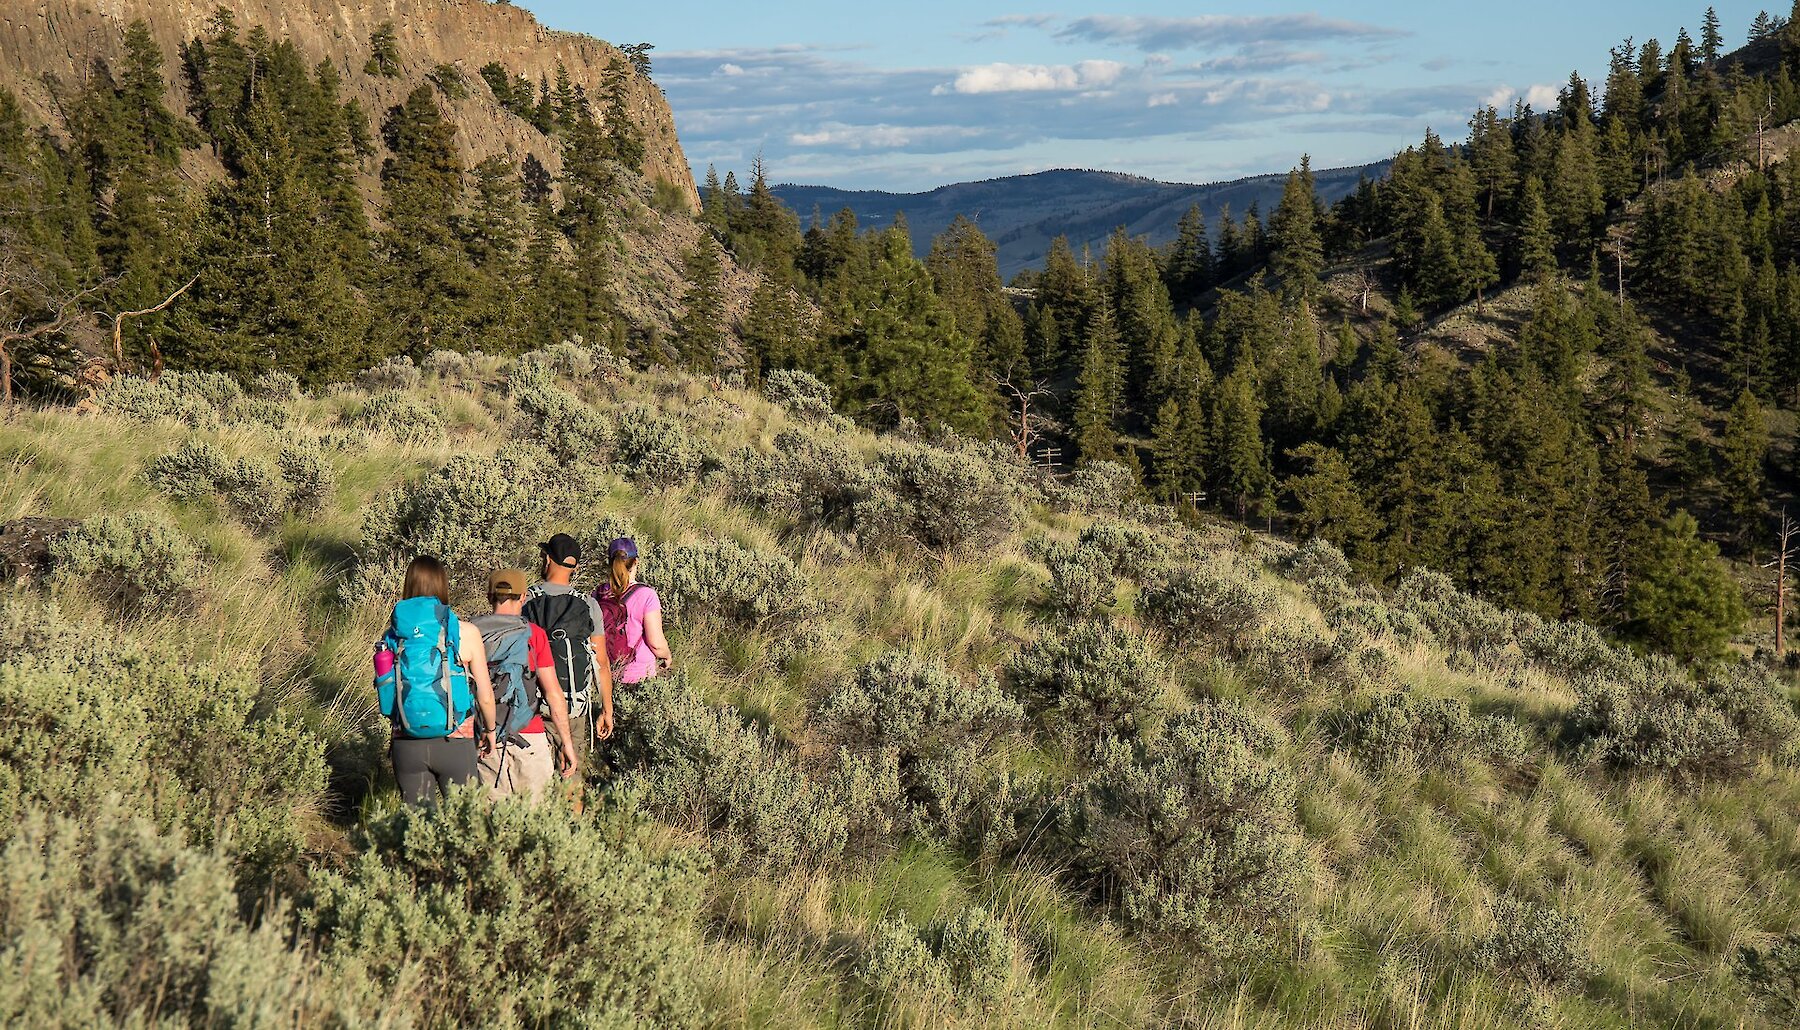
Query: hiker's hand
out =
(487, 743)
(569, 762)
(664, 663)
(603, 726)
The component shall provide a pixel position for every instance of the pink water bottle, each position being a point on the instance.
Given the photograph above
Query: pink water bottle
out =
(384, 659)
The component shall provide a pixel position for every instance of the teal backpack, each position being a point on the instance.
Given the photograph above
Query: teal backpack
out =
(426, 694)
(516, 695)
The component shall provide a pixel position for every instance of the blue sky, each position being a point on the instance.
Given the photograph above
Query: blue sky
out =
(907, 96)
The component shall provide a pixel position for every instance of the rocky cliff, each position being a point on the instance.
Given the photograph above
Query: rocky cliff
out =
(62, 38)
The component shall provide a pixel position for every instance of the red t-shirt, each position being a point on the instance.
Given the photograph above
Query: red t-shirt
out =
(538, 651)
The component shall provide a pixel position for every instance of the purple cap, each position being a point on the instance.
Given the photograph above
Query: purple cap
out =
(623, 547)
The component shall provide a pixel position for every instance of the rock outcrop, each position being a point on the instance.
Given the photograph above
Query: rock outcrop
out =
(61, 39)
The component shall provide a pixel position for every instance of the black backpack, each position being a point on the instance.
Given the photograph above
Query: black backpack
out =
(565, 619)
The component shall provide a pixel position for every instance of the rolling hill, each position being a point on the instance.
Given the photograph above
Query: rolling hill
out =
(1023, 213)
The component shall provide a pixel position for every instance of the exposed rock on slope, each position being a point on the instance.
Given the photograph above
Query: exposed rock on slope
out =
(61, 39)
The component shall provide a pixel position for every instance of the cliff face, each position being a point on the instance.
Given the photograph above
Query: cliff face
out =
(61, 38)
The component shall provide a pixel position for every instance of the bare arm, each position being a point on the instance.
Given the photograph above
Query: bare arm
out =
(475, 661)
(653, 635)
(603, 723)
(559, 716)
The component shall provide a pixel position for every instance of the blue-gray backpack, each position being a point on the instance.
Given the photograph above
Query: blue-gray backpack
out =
(426, 694)
(516, 694)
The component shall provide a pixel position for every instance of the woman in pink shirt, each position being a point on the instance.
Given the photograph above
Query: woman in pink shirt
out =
(644, 640)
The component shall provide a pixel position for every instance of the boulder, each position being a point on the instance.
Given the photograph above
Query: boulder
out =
(25, 547)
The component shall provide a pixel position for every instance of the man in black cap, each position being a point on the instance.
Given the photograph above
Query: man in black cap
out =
(572, 621)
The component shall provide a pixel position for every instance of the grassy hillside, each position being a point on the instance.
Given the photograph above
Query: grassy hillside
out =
(950, 741)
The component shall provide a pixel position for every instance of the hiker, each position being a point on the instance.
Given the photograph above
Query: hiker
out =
(632, 614)
(424, 665)
(572, 621)
(523, 673)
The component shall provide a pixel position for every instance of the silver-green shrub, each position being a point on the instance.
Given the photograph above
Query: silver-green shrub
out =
(476, 514)
(262, 412)
(1471, 629)
(395, 373)
(812, 480)
(401, 416)
(704, 768)
(136, 561)
(216, 389)
(570, 360)
(1091, 680)
(1197, 604)
(86, 714)
(1192, 831)
(800, 394)
(897, 961)
(448, 365)
(515, 915)
(977, 952)
(1083, 580)
(1652, 715)
(311, 479)
(276, 386)
(144, 400)
(658, 450)
(569, 427)
(1100, 488)
(934, 499)
(727, 584)
(253, 491)
(940, 732)
(105, 921)
(192, 472)
(1772, 973)
(1135, 551)
(1535, 943)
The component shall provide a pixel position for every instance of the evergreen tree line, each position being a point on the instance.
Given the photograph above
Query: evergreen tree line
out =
(291, 272)
(1218, 368)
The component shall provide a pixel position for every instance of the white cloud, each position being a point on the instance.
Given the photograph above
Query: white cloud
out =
(730, 70)
(879, 137)
(1162, 99)
(1215, 31)
(1034, 78)
(1541, 97)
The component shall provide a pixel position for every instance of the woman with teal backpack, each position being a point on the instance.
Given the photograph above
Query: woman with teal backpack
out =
(431, 678)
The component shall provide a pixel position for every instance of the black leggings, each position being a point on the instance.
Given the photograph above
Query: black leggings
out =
(425, 767)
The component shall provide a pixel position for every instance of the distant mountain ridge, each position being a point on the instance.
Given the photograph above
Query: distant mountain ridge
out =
(1024, 213)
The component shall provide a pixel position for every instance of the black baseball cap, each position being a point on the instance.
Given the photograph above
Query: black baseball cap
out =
(562, 549)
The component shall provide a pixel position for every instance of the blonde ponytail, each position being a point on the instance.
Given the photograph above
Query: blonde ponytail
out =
(621, 574)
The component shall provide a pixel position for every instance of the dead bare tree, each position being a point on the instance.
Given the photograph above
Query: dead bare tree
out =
(118, 322)
(36, 309)
(1029, 425)
(1787, 542)
(1363, 283)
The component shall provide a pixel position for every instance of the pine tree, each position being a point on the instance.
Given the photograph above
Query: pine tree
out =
(703, 328)
(1241, 466)
(493, 235)
(1711, 42)
(1298, 256)
(906, 359)
(272, 292)
(384, 52)
(1742, 453)
(1191, 268)
(1495, 163)
(1537, 240)
(425, 273)
(1330, 505)
(1097, 390)
(1685, 602)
